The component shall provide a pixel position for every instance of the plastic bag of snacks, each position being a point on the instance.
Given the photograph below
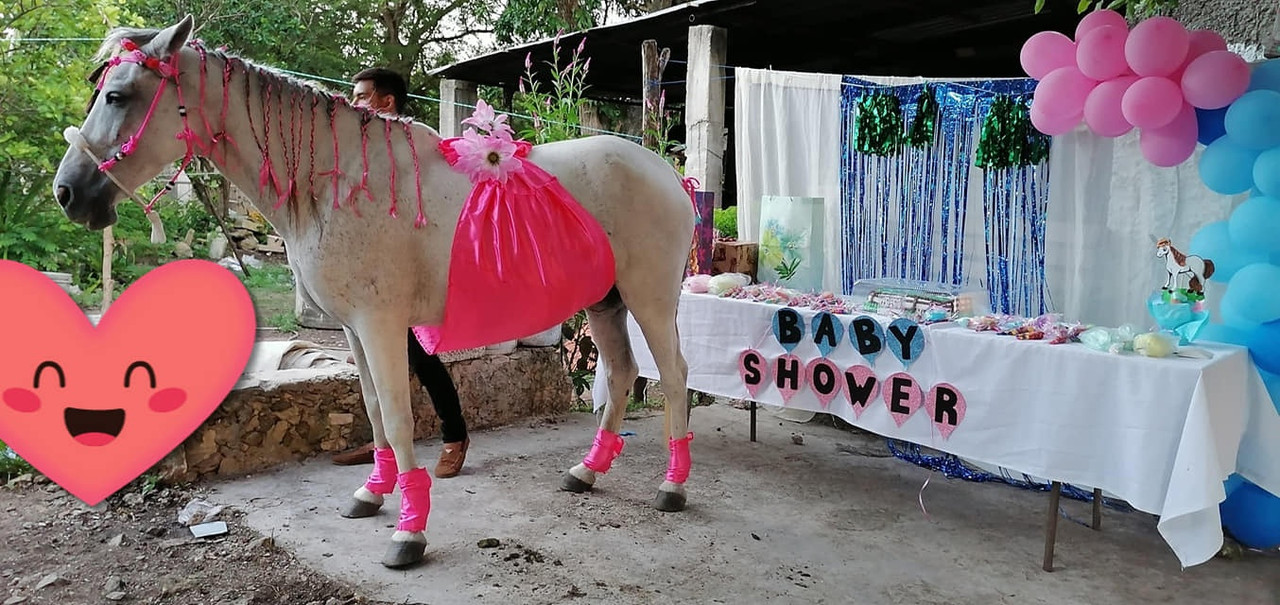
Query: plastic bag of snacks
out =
(725, 282)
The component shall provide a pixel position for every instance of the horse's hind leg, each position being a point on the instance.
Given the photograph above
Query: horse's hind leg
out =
(608, 321)
(382, 479)
(655, 312)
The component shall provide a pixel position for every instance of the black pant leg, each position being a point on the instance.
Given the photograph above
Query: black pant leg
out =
(444, 395)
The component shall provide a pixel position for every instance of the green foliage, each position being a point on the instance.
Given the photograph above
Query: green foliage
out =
(662, 122)
(726, 220)
(528, 20)
(555, 111)
(1133, 9)
(11, 465)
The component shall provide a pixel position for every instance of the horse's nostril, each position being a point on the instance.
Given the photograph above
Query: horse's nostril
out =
(63, 194)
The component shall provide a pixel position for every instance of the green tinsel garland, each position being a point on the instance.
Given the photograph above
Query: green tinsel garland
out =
(1008, 137)
(879, 129)
(924, 127)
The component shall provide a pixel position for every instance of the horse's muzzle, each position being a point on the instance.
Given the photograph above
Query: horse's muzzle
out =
(90, 206)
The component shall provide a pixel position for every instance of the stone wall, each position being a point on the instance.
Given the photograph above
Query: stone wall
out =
(290, 415)
(1250, 23)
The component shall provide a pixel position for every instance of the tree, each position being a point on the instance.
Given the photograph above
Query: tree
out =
(43, 89)
(525, 20)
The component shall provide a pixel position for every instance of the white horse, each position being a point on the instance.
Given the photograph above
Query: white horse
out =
(1176, 263)
(376, 273)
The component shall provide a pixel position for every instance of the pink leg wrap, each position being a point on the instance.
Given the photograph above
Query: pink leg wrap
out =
(680, 463)
(382, 480)
(604, 450)
(415, 500)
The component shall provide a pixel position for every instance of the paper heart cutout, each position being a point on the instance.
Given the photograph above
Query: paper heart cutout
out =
(902, 396)
(754, 370)
(788, 328)
(824, 379)
(95, 407)
(861, 388)
(788, 376)
(950, 401)
(827, 332)
(905, 339)
(867, 337)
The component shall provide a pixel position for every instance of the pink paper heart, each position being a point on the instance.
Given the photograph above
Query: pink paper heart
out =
(902, 396)
(788, 375)
(950, 401)
(861, 388)
(824, 379)
(754, 370)
(95, 407)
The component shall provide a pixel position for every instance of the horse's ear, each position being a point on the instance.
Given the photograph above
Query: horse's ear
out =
(171, 39)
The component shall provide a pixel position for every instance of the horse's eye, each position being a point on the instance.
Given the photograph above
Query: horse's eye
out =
(114, 98)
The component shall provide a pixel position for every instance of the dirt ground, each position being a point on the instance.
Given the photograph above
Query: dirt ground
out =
(831, 519)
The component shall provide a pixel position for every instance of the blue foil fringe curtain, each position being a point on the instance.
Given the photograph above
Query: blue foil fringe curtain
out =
(904, 215)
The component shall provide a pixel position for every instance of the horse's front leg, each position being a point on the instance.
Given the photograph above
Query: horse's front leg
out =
(369, 497)
(387, 363)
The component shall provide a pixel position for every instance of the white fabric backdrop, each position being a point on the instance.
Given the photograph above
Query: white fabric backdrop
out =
(1105, 201)
(1105, 204)
(787, 140)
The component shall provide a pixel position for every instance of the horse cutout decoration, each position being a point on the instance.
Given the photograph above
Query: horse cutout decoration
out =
(292, 147)
(1176, 263)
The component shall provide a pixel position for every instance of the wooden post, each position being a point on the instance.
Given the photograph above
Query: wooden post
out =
(704, 108)
(457, 100)
(108, 285)
(652, 64)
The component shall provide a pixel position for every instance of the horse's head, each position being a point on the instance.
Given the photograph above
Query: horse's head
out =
(1162, 247)
(131, 125)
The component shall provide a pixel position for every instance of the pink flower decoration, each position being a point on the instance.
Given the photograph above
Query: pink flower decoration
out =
(485, 158)
(487, 120)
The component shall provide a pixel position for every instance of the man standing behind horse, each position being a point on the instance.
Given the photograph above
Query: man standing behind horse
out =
(385, 91)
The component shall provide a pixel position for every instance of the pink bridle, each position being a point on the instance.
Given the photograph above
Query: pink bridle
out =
(168, 71)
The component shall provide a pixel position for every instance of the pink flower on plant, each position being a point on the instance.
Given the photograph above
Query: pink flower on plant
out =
(485, 158)
(487, 120)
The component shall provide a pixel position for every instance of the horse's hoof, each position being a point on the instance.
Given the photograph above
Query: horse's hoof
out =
(359, 509)
(404, 554)
(569, 483)
(669, 502)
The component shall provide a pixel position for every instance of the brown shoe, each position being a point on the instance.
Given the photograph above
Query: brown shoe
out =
(451, 459)
(360, 455)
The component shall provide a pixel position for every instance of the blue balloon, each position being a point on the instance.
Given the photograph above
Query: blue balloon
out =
(1213, 242)
(1211, 124)
(1266, 173)
(1266, 76)
(1252, 515)
(1253, 226)
(1226, 167)
(1254, 293)
(1253, 120)
(1224, 334)
(1264, 347)
(1235, 318)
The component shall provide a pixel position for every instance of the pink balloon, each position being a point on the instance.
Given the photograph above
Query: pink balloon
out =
(1157, 47)
(1097, 19)
(1100, 54)
(1045, 52)
(1172, 145)
(1215, 79)
(1061, 94)
(1152, 102)
(1102, 110)
(1052, 125)
(1203, 41)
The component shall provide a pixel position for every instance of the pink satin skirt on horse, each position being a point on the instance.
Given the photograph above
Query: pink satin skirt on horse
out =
(526, 256)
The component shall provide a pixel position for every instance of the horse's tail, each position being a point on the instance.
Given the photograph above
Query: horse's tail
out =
(1208, 268)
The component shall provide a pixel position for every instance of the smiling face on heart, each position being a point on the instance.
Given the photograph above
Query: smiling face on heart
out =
(94, 407)
(94, 423)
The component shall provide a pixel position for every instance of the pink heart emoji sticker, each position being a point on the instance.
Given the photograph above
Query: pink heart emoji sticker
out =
(95, 407)
(902, 396)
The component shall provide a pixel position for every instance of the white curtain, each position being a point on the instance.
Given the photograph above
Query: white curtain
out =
(1106, 204)
(787, 140)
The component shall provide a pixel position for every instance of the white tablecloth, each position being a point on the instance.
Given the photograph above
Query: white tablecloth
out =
(1163, 434)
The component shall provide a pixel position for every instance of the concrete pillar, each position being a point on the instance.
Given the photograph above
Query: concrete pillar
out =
(457, 101)
(704, 108)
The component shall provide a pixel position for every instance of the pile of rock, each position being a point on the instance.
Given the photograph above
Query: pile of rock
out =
(253, 235)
